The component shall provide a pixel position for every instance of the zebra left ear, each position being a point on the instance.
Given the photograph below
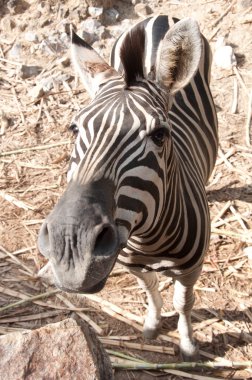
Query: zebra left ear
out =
(179, 55)
(91, 67)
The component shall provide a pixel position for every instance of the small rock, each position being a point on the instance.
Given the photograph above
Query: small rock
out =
(92, 30)
(15, 52)
(64, 61)
(7, 23)
(224, 56)
(29, 71)
(31, 37)
(44, 7)
(36, 92)
(142, 10)
(89, 38)
(95, 11)
(55, 44)
(244, 4)
(111, 16)
(47, 84)
(65, 350)
(17, 6)
(90, 25)
(37, 15)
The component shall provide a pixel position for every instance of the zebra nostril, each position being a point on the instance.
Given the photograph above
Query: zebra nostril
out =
(106, 241)
(43, 240)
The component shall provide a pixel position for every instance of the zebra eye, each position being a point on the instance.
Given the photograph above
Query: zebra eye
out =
(74, 128)
(158, 136)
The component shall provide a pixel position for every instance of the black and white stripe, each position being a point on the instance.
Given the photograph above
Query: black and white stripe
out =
(172, 228)
(146, 146)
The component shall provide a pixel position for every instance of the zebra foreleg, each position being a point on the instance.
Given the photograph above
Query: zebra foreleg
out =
(183, 301)
(149, 282)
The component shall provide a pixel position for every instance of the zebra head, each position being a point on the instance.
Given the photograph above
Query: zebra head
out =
(123, 160)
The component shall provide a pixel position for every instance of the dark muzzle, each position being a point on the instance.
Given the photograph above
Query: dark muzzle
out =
(80, 238)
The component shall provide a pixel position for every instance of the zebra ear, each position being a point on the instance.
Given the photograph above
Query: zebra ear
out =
(92, 68)
(179, 55)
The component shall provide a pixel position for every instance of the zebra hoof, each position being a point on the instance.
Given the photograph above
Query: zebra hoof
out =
(151, 332)
(189, 351)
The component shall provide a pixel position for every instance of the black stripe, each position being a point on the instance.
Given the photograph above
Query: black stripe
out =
(159, 29)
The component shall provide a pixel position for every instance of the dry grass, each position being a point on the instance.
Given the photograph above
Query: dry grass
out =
(35, 149)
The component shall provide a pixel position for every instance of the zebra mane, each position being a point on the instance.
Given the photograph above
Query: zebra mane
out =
(132, 55)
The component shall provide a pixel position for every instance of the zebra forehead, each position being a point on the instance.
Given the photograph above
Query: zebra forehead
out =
(130, 108)
(121, 115)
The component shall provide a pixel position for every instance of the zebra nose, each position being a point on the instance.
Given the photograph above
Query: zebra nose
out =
(106, 242)
(103, 239)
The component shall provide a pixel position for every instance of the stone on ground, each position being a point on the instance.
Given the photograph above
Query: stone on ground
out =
(65, 350)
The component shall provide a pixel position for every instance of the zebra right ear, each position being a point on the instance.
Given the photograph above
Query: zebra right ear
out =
(90, 66)
(179, 55)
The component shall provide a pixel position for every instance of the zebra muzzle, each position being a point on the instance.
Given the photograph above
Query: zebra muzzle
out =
(81, 241)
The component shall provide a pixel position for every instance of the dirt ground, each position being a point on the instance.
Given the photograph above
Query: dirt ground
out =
(34, 154)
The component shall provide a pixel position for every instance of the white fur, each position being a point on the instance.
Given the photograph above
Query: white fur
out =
(91, 67)
(180, 50)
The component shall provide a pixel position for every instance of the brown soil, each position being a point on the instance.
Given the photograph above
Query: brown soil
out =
(32, 180)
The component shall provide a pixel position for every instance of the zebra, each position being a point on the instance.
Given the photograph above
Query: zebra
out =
(145, 148)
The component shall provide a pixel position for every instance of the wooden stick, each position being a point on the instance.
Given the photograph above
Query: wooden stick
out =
(18, 105)
(27, 164)
(247, 238)
(83, 316)
(238, 218)
(222, 212)
(13, 293)
(216, 22)
(23, 250)
(17, 261)
(235, 97)
(122, 319)
(28, 299)
(16, 202)
(138, 346)
(213, 34)
(240, 79)
(115, 308)
(133, 365)
(228, 154)
(6, 330)
(225, 160)
(38, 147)
(10, 62)
(32, 317)
(190, 375)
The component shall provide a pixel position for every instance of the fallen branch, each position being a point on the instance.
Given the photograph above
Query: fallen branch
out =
(16, 202)
(244, 237)
(83, 316)
(138, 346)
(114, 308)
(216, 22)
(133, 365)
(38, 147)
(29, 299)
